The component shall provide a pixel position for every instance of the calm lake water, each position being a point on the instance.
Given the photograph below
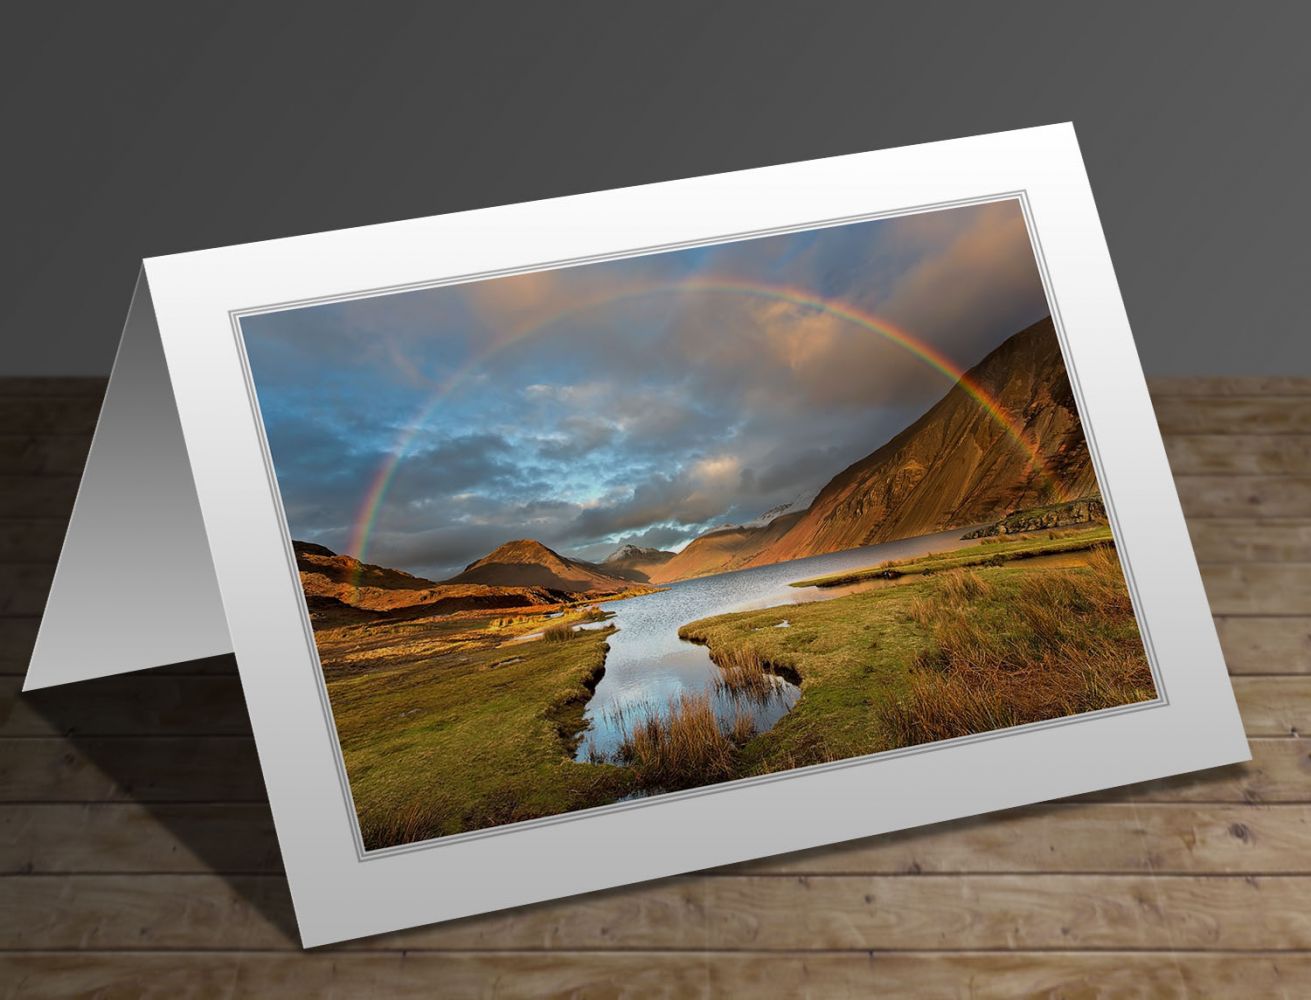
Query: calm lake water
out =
(649, 666)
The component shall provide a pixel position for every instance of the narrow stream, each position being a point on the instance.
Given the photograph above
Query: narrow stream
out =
(649, 666)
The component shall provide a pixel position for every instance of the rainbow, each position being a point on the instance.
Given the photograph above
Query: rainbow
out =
(369, 509)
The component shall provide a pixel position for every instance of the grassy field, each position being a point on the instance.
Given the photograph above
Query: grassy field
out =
(462, 722)
(992, 551)
(959, 652)
(461, 732)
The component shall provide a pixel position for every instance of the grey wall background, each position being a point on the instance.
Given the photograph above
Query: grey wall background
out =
(136, 129)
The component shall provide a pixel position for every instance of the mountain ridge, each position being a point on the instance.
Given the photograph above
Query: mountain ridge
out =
(525, 562)
(954, 466)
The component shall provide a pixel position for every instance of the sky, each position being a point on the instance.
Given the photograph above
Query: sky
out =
(643, 400)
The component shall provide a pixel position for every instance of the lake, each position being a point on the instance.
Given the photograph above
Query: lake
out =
(649, 666)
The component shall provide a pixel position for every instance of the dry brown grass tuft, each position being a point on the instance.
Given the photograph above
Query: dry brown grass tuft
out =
(558, 633)
(681, 747)
(743, 729)
(1065, 642)
(742, 671)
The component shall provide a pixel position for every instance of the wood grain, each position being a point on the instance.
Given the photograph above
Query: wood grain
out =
(717, 913)
(1063, 837)
(50, 415)
(1267, 415)
(1266, 645)
(1258, 588)
(1245, 496)
(1239, 454)
(139, 859)
(1226, 541)
(1161, 386)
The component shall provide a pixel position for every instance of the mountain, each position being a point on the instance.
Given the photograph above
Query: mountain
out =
(342, 590)
(956, 466)
(633, 562)
(724, 549)
(527, 563)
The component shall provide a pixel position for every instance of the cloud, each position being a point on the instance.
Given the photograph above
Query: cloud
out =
(613, 402)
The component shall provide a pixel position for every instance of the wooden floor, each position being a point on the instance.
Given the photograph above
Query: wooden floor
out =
(138, 855)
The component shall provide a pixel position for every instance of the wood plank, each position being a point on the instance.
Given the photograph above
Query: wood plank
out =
(44, 497)
(18, 634)
(1244, 496)
(1233, 414)
(1266, 645)
(1274, 706)
(50, 415)
(680, 975)
(174, 975)
(1230, 541)
(1069, 837)
(217, 769)
(130, 704)
(37, 455)
(1228, 385)
(956, 913)
(1239, 454)
(17, 637)
(1258, 588)
(1016, 974)
(24, 588)
(1064, 837)
(254, 912)
(226, 769)
(29, 541)
(53, 385)
(757, 913)
(128, 837)
(1279, 771)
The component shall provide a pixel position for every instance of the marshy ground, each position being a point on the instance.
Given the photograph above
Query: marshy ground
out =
(459, 723)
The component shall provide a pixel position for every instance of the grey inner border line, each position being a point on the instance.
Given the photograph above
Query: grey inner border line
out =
(363, 855)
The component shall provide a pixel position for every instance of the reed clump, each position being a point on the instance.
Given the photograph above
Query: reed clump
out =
(558, 632)
(1060, 643)
(682, 746)
(743, 672)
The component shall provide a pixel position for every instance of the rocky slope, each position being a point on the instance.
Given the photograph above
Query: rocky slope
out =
(1085, 510)
(955, 466)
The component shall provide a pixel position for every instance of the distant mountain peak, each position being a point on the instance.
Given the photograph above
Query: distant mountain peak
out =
(519, 550)
(631, 551)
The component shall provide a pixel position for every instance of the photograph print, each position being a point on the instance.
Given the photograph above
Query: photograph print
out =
(611, 531)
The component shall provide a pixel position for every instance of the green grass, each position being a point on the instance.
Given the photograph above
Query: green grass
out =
(991, 552)
(471, 739)
(447, 727)
(949, 654)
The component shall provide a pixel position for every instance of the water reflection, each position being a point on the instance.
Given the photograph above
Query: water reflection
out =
(649, 668)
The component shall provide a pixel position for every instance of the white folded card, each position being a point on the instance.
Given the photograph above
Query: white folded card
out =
(581, 542)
